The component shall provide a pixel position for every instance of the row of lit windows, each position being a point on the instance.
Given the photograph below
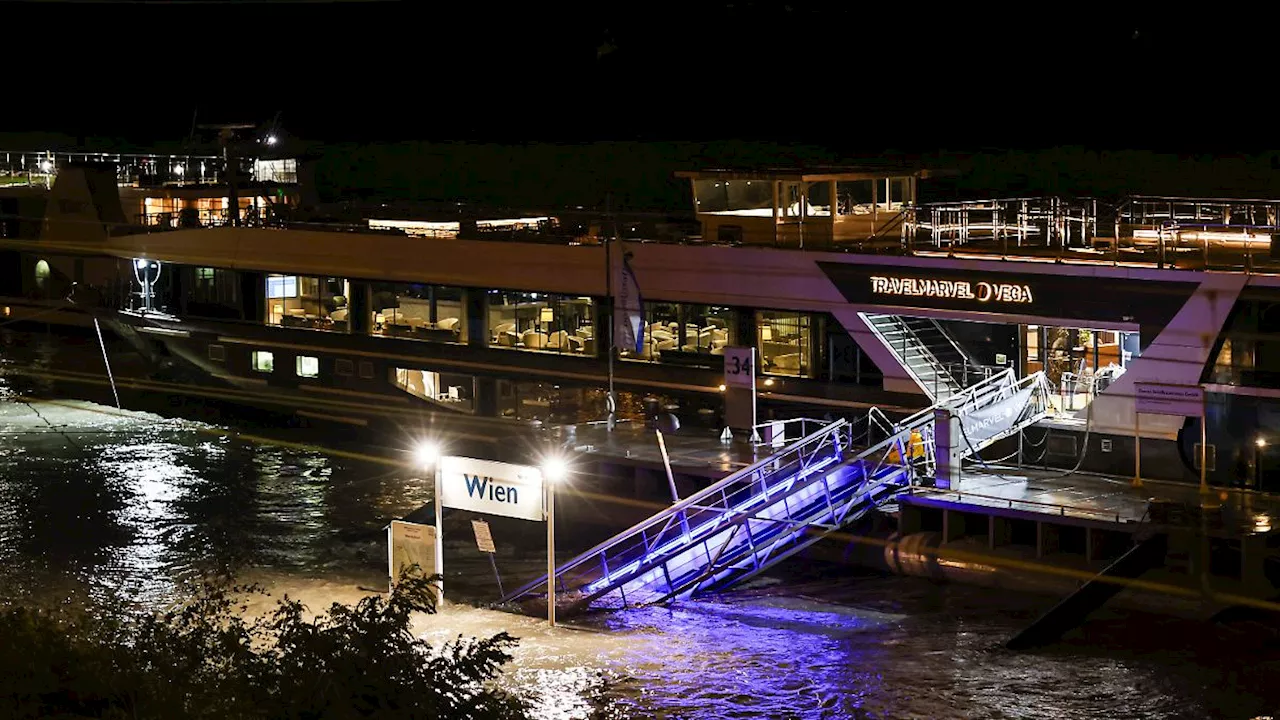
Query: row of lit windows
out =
(306, 366)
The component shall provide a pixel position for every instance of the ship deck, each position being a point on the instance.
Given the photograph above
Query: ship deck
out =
(1077, 496)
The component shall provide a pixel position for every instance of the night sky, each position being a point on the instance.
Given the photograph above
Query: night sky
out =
(854, 76)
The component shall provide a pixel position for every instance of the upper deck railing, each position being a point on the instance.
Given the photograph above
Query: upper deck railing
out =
(40, 168)
(1138, 231)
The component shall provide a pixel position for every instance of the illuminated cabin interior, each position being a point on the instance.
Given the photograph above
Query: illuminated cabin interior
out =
(813, 210)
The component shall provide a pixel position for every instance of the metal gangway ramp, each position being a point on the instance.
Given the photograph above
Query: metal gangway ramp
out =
(756, 517)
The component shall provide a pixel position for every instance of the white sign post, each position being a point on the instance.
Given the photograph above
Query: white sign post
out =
(740, 389)
(496, 488)
(1166, 399)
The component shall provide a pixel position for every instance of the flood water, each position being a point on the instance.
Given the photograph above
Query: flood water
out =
(96, 502)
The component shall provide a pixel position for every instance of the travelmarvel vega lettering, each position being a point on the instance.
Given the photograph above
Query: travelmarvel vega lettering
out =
(980, 291)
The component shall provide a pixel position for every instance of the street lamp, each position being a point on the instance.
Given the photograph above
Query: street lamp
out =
(554, 471)
(427, 455)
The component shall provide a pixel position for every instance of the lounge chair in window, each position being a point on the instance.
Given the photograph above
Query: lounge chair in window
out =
(558, 341)
(533, 339)
(448, 324)
(789, 363)
(500, 328)
(508, 339)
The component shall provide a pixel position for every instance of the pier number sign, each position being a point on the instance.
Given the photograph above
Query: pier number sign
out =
(739, 366)
(496, 488)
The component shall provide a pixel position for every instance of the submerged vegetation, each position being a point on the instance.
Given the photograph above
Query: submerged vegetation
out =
(209, 658)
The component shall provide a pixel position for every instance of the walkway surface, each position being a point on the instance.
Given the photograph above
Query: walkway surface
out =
(1088, 496)
(692, 450)
(1108, 499)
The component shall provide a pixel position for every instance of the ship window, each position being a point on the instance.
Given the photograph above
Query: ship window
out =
(855, 197)
(263, 361)
(280, 286)
(734, 197)
(676, 328)
(217, 353)
(204, 275)
(449, 389)
(419, 312)
(818, 195)
(42, 274)
(307, 366)
(784, 342)
(542, 322)
(300, 301)
(343, 367)
(366, 369)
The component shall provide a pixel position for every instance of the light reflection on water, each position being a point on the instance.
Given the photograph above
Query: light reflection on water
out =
(92, 504)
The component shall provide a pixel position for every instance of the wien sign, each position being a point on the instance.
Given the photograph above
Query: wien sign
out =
(491, 487)
(980, 291)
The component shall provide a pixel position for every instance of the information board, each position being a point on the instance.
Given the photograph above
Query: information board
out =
(1162, 399)
(410, 544)
(484, 539)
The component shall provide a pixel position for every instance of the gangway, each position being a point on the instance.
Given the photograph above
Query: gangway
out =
(756, 517)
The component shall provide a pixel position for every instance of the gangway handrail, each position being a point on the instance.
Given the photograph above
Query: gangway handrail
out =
(998, 381)
(685, 504)
(801, 421)
(829, 487)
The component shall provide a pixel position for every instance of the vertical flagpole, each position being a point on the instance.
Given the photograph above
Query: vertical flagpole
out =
(613, 328)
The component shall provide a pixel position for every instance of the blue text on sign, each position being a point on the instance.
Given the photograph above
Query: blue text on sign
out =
(477, 487)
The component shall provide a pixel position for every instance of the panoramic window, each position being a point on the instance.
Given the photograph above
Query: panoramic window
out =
(452, 390)
(855, 197)
(674, 330)
(263, 361)
(541, 322)
(419, 312)
(214, 293)
(784, 342)
(307, 366)
(301, 301)
(734, 197)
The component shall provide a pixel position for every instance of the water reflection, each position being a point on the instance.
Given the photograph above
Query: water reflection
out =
(92, 503)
